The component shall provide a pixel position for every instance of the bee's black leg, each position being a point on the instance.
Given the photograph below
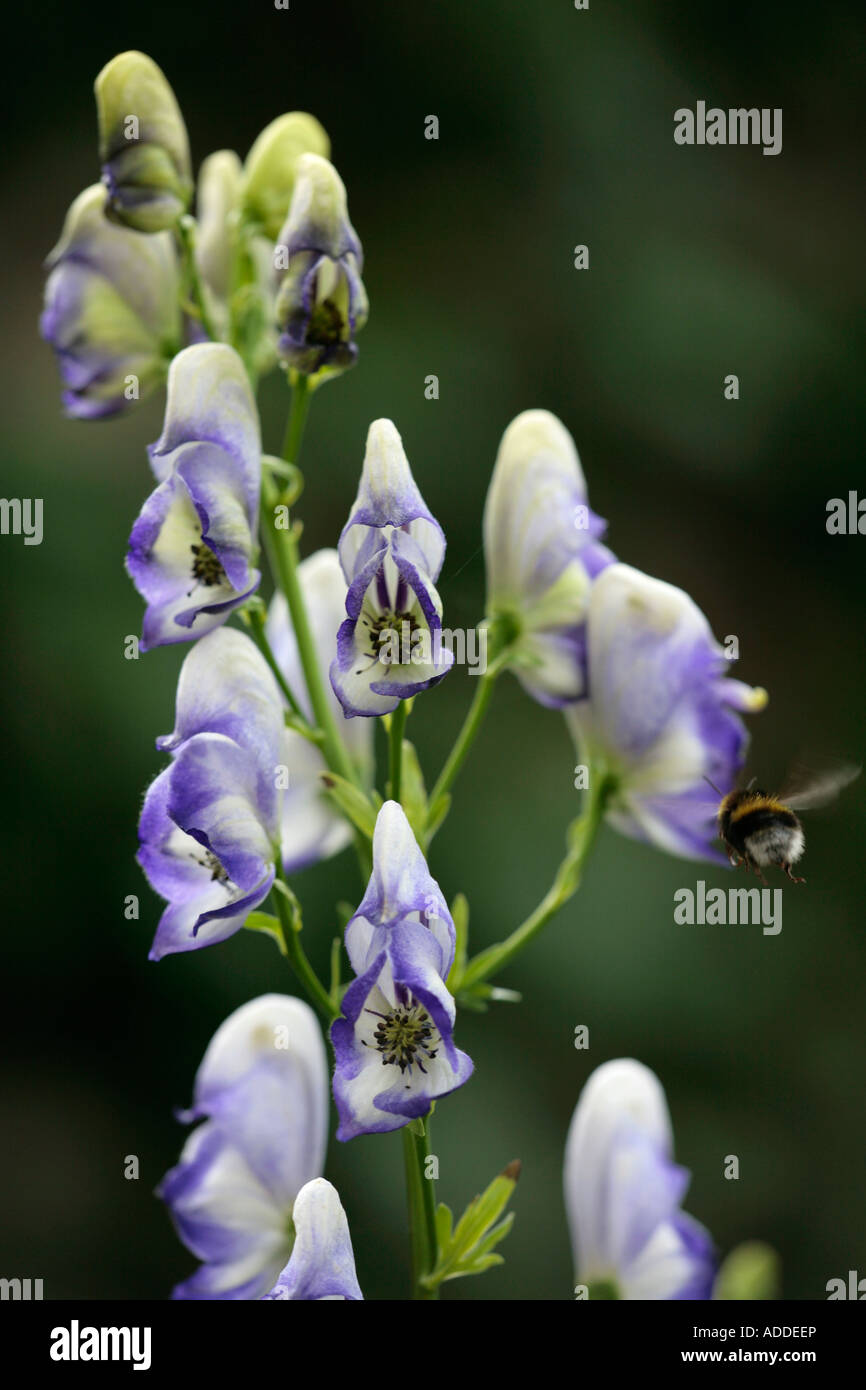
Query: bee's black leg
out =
(787, 870)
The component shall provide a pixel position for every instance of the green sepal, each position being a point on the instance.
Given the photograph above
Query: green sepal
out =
(467, 1249)
(356, 807)
(416, 1127)
(264, 922)
(752, 1271)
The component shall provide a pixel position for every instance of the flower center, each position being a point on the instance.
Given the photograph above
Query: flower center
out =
(206, 568)
(390, 628)
(209, 861)
(405, 1036)
(325, 326)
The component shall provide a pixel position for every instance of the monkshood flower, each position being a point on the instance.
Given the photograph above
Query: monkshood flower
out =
(623, 1193)
(322, 1266)
(210, 825)
(111, 311)
(391, 550)
(193, 549)
(312, 828)
(542, 553)
(661, 713)
(394, 1045)
(322, 302)
(143, 144)
(262, 1092)
(270, 169)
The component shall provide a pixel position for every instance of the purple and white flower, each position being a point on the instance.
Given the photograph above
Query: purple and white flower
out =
(623, 1193)
(394, 1044)
(111, 310)
(312, 828)
(143, 144)
(193, 549)
(262, 1092)
(542, 551)
(391, 549)
(210, 826)
(322, 1264)
(322, 303)
(661, 713)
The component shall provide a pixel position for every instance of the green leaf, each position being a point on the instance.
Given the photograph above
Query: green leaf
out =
(751, 1271)
(476, 997)
(468, 1249)
(460, 914)
(437, 813)
(264, 922)
(355, 806)
(444, 1221)
(335, 990)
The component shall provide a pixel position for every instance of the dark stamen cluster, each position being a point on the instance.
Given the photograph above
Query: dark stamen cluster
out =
(206, 568)
(210, 861)
(404, 1035)
(325, 326)
(378, 629)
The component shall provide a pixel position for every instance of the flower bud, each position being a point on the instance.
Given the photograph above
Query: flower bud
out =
(321, 303)
(111, 309)
(541, 546)
(143, 144)
(219, 187)
(269, 172)
(623, 1193)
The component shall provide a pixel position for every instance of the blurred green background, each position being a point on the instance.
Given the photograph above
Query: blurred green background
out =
(556, 129)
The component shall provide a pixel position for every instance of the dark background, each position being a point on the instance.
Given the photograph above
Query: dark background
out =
(556, 129)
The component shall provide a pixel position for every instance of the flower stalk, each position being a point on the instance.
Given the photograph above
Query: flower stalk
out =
(421, 1199)
(581, 837)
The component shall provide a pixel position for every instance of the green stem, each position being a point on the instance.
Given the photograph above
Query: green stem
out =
(581, 837)
(395, 750)
(422, 1209)
(257, 629)
(465, 740)
(297, 419)
(316, 991)
(282, 548)
(186, 238)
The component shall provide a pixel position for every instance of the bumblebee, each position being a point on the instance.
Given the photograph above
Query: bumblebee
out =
(760, 829)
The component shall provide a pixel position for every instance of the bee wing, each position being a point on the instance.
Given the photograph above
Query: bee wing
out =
(806, 790)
